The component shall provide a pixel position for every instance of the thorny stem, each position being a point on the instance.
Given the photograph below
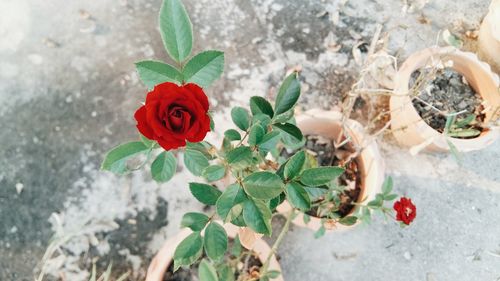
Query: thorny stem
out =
(277, 243)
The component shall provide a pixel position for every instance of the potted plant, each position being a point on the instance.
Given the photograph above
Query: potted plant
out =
(489, 36)
(238, 259)
(357, 153)
(176, 116)
(445, 99)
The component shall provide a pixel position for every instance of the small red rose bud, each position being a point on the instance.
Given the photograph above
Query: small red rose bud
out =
(405, 210)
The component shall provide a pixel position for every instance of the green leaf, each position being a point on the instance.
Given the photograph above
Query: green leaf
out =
(269, 141)
(116, 159)
(261, 105)
(240, 117)
(215, 241)
(257, 216)
(214, 172)
(465, 121)
(297, 196)
(390, 197)
(262, 119)
(455, 152)
(204, 68)
(206, 271)
(320, 232)
(290, 130)
(237, 248)
(387, 185)
(195, 161)
(212, 123)
(239, 221)
(176, 30)
(273, 274)
(205, 193)
(153, 73)
(149, 143)
(232, 135)
(288, 94)
(349, 220)
(188, 251)
(257, 132)
(163, 168)
(232, 196)
(464, 133)
(226, 272)
(283, 117)
(195, 221)
(202, 147)
(294, 165)
(276, 201)
(321, 175)
(307, 218)
(263, 185)
(241, 155)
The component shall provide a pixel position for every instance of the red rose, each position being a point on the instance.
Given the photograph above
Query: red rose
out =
(406, 211)
(173, 114)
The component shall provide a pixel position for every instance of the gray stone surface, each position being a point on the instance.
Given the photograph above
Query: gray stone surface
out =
(68, 91)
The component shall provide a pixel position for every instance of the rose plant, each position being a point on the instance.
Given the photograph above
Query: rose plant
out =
(176, 116)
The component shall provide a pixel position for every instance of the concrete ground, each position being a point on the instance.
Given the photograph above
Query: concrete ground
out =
(68, 91)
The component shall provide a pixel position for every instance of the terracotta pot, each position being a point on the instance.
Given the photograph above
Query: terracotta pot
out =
(328, 124)
(489, 36)
(411, 130)
(164, 257)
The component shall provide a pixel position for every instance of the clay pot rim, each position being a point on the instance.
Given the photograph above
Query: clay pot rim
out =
(373, 170)
(164, 257)
(401, 101)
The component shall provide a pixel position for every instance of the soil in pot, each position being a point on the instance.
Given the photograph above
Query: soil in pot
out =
(446, 91)
(327, 154)
(247, 261)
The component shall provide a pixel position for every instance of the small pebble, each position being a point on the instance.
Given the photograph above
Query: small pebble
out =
(407, 255)
(19, 187)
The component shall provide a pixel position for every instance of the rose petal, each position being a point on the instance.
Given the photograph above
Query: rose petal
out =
(142, 123)
(198, 94)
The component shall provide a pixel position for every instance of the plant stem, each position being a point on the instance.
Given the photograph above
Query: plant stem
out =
(277, 243)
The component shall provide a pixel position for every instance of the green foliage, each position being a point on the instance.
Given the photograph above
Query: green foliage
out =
(176, 30)
(239, 157)
(116, 159)
(204, 68)
(320, 232)
(320, 176)
(153, 73)
(349, 220)
(294, 165)
(195, 221)
(188, 251)
(269, 141)
(195, 161)
(215, 241)
(232, 135)
(261, 105)
(204, 193)
(214, 172)
(206, 271)
(240, 117)
(256, 135)
(225, 272)
(297, 196)
(202, 147)
(263, 185)
(163, 167)
(257, 216)
(232, 196)
(290, 130)
(288, 94)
